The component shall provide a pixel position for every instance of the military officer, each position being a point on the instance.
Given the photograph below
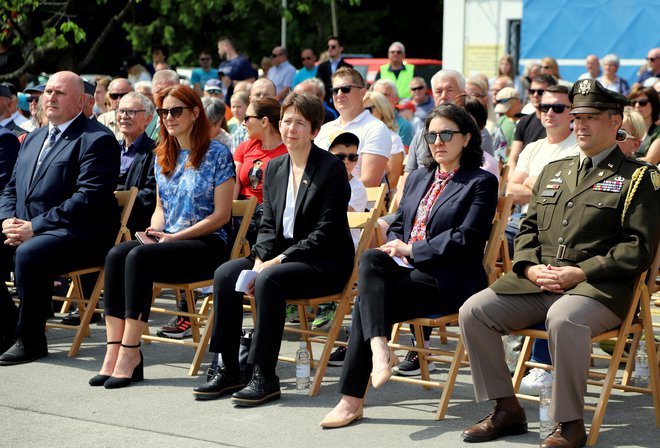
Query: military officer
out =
(591, 229)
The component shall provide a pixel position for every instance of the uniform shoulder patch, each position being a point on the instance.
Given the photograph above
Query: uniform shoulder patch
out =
(655, 178)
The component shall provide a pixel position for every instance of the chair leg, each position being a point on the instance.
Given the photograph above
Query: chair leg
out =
(421, 354)
(450, 381)
(525, 354)
(202, 345)
(86, 315)
(654, 378)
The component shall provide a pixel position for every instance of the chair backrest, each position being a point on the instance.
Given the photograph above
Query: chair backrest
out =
(504, 178)
(126, 200)
(496, 235)
(652, 280)
(376, 199)
(366, 222)
(245, 209)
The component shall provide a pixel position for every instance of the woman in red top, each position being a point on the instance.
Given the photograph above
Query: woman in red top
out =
(264, 143)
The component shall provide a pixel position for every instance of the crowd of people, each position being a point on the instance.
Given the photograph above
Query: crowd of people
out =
(306, 143)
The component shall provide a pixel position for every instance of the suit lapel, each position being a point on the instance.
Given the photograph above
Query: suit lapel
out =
(415, 198)
(308, 175)
(33, 153)
(278, 193)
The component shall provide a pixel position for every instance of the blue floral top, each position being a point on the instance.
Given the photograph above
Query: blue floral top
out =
(187, 195)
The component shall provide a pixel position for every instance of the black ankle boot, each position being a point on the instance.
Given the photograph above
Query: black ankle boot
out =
(259, 390)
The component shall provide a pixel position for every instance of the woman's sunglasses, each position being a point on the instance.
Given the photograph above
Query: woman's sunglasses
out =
(343, 156)
(175, 112)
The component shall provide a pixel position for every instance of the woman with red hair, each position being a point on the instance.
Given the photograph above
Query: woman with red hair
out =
(195, 178)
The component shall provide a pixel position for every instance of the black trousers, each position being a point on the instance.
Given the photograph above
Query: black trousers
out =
(37, 262)
(289, 280)
(131, 268)
(388, 294)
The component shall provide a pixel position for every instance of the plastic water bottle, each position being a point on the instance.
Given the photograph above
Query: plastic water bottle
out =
(302, 369)
(641, 373)
(546, 424)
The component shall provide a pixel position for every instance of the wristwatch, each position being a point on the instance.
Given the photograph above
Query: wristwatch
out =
(281, 257)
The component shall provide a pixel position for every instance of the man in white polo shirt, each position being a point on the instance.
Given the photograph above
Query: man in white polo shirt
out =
(375, 142)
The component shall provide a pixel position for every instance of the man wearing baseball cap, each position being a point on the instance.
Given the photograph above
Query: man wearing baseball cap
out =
(591, 229)
(508, 105)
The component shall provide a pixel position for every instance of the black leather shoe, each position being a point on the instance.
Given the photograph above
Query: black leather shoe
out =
(500, 422)
(73, 318)
(222, 383)
(138, 374)
(23, 352)
(259, 390)
(5, 343)
(566, 435)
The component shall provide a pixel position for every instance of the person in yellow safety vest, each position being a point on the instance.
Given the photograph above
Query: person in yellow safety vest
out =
(396, 71)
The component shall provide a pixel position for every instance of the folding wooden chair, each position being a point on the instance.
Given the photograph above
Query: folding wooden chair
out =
(87, 307)
(201, 315)
(456, 357)
(376, 201)
(632, 324)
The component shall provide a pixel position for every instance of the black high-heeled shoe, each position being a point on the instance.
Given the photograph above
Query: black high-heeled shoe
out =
(138, 374)
(99, 380)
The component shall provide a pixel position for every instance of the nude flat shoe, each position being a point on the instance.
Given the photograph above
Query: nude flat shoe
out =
(341, 422)
(380, 378)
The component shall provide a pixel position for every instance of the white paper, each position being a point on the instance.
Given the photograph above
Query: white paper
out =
(244, 279)
(400, 262)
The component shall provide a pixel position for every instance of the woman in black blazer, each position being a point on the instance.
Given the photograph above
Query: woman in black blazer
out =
(304, 249)
(432, 261)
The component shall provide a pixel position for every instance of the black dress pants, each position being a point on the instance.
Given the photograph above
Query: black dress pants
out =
(289, 280)
(388, 293)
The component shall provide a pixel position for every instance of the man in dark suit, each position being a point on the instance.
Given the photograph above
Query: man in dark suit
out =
(9, 147)
(328, 68)
(58, 211)
(591, 229)
(5, 112)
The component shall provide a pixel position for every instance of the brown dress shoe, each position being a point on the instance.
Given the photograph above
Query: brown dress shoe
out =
(566, 435)
(500, 422)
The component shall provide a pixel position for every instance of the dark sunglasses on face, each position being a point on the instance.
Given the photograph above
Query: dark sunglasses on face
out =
(556, 108)
(249, 117)
(538, 92)
(32, 99)
(622, 136)
(444, 136)
(396, 51)
(331, 47)
(307, 58)
(116, 96)
(641, 103)
(344, 89)
(545, 67)
(651, 59)
(415, 89)
(343, 156)
(175, 112)
(275, 55)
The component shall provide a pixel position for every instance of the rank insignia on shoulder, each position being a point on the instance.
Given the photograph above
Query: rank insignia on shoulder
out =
(655, 178)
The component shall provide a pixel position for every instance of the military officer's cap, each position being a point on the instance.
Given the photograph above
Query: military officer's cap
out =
(588, 96)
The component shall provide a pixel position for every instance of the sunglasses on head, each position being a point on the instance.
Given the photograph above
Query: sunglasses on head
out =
(641, 103)
(32, 99)
(116, 96)
(343, 156)
(538, 92)
(444, 136)
(556, 108)
(344, 89)
(622, 136)
(415, 89)
(175, 112)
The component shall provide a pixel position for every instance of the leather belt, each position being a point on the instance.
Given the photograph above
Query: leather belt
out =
(562, 252)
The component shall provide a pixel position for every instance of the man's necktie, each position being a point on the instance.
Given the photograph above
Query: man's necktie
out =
(52, 136)
(584, 169)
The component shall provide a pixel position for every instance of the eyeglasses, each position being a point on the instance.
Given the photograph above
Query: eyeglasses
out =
(556, 108)
(396, 51)
(415, 89)
(275, 55)
(116, 96)
(622, 136)
(546, 67)
(32, 99)
(130, 113)
(214, 91)
(249, 117)
(307, 58)
(538, 92)
(503, 100)
(344, 89)
(343, 156)
(444, 136)
(652, 59)
(331, 47)
(641, 103)
(370, 109)
(175, 112)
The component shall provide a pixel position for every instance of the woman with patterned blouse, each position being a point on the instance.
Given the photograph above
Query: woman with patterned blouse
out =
(195, 178)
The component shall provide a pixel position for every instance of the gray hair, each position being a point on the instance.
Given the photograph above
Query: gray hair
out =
(387, 82)
(169, 76)
(318, 86)
(455, 75)
(149, 107)
(214, 109)
(144, 85)
(420, 79)
(398, 44)
(612, 58)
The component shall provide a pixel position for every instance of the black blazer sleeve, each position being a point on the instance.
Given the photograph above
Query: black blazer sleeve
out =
(9, 146)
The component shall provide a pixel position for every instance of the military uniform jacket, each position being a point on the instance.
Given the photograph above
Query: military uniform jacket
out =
(569, 225)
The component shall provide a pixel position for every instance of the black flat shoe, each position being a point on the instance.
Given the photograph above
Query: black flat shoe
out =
(23, 352)
(258, 391)
(138, 374)
(222, 383)
(99, 380)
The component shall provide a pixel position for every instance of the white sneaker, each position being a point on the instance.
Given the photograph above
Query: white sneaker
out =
(532, 382)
